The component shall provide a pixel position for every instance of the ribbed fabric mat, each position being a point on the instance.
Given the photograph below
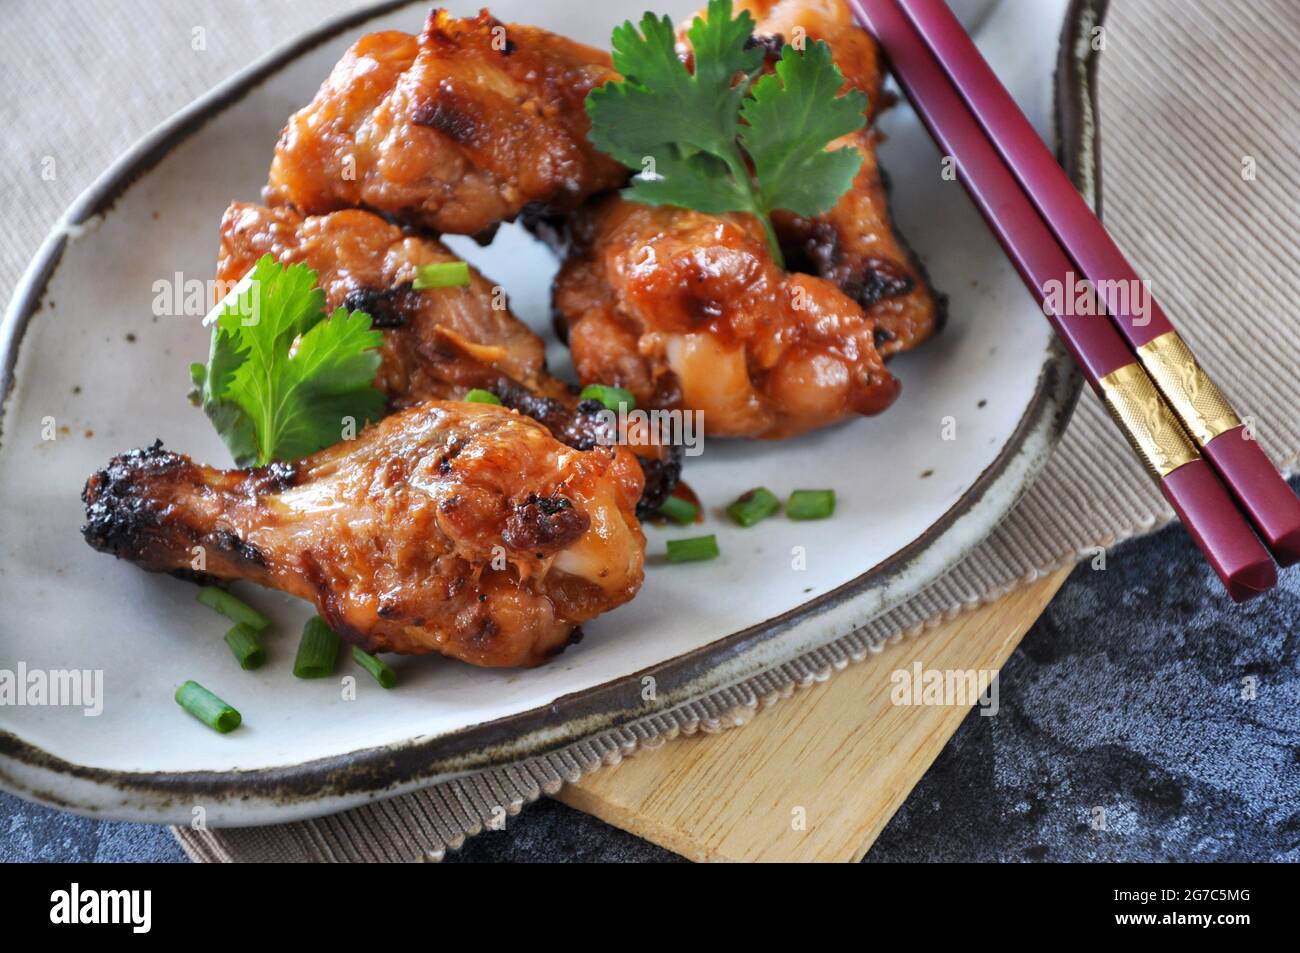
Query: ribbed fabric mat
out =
(1191, 93)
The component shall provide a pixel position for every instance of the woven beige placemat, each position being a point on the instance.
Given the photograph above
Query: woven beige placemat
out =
(1200, 122)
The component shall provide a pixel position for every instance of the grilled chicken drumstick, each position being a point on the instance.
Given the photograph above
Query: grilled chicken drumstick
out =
(365, 264)
(456, 130)
(464, 529)
(855, 244)
(690, 311)
(438, 343)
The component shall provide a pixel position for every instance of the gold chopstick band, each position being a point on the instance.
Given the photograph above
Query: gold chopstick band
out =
(1199, 404)
(1132, 399)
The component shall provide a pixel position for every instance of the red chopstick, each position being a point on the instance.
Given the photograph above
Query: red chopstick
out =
(1186, 479)
(1208, 416)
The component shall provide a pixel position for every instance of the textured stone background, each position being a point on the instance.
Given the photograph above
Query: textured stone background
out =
(1126, 695)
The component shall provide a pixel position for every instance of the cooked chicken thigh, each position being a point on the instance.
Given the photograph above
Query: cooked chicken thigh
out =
(690, 311)
(464, 529)
(438, 343)
(456, 130)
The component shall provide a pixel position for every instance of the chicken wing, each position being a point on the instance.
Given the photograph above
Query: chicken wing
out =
(457, 129)
(439, 343)
(855, 244)
(464, 529)
(690, 311)
(364, 263)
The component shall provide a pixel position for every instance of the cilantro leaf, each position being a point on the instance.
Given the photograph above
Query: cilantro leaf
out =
(714, 140)
(660, 103)
(282, 377)
(791, 116)
(234, 426)
(700, 182)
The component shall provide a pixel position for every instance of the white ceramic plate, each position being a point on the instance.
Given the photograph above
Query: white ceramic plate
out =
(82, 345)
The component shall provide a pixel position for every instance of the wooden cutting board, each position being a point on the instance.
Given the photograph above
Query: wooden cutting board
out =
(817, 776)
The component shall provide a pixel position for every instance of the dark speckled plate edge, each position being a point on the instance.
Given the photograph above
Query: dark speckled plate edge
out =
(326, 785)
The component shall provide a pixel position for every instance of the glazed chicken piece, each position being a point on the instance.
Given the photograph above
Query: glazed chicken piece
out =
(438, 343)
(690, 311)
(855, 244)
(456, 130)
(457, 528)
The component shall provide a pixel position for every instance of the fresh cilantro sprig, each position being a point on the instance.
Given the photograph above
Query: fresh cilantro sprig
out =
(271, 398)
(715, 140)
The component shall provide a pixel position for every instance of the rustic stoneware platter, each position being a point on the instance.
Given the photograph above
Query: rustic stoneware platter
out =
(84, 347)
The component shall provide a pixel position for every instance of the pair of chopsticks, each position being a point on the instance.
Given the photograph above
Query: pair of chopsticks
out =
(1173, 415)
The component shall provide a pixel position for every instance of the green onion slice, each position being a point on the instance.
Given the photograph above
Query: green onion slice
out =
(317, 651)
(233, 609)
(207, 707)
(810, 504)
(478, 395)
(680, 511)
(612, 397)
(384, 675)
(244, 645)
(694, 549)
(754, 507)
(442, 274)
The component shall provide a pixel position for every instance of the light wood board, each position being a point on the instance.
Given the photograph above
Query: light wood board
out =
(840, 755)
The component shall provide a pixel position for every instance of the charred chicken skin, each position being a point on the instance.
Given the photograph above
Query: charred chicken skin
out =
(690, 311)
(463, 529)
(458, 129)
(438, 343)
(855, 244)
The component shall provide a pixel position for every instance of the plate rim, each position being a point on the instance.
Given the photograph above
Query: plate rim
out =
(324, 785)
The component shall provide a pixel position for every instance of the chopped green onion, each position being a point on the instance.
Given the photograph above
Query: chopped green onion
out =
(680, 511)
(233, 609)
(243, 643)
(613, 398)
(442, 274)
(754, 507)
(694, 549)
(317, 651)
(478, 395)
(384, 675)
(810, 504)
(207, 707)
